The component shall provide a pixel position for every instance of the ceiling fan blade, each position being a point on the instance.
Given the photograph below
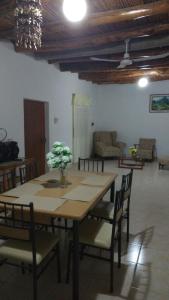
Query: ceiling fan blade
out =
(153, 57)
(104, 59)
(121, 66)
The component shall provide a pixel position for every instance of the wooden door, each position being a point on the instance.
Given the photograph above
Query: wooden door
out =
(82, 131)
(34, 125)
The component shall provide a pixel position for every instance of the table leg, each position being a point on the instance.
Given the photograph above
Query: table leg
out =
(13, 174)
(5, 183)
(112, 192)
(75, 260)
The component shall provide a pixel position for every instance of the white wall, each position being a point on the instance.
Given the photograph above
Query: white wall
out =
(23, 77)
(125, 108)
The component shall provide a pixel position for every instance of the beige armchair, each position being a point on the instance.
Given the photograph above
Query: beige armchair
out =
(146, 148)
(105, 144)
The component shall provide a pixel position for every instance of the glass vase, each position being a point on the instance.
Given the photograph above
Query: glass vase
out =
(62, 177)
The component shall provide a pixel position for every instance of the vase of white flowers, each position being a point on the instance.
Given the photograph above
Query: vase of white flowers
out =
(59, 157)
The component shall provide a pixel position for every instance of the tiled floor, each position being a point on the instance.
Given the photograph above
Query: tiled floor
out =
(144, 274)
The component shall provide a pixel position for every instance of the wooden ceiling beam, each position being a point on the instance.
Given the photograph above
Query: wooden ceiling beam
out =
(106, 50)
(122, 74)
(134, 54)
(103, 39)
(91, 66)
(127, 80)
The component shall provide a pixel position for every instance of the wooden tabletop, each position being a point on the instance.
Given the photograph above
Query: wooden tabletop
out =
(70, 209)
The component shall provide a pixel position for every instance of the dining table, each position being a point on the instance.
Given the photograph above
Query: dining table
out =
(73, 201)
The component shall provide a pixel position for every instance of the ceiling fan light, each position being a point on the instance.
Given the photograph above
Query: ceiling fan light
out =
(143, 82)
(74, 10)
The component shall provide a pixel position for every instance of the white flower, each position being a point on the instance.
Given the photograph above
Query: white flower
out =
(49, 155)
(57, 150)
(56, 144)
(66, 159)
(59, 156)
(66, 150)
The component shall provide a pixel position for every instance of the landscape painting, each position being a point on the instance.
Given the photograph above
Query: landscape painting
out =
(159, 103)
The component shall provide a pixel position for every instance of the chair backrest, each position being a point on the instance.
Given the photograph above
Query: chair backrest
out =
(126, 185)
(28, 171)
(91, 164)
(118, 213)
(145, 143)
(13, 225)
(6, 181)
(106, 137)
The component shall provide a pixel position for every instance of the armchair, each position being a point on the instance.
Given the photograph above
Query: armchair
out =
(146, 149)
(106, 145)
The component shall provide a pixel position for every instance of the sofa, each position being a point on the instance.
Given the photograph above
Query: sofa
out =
(106, 145)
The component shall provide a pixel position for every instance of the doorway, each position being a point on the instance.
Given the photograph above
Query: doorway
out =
(36, 131)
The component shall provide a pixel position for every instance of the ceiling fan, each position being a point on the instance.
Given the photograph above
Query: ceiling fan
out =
(127, 60)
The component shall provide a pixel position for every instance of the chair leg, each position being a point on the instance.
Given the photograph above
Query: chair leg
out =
(66, 224)
(112, 270)
(58, 263)
(35, 289)
(23, 268)
(68, 262)
(82, 251)
(119, 245)
(53, 225)
(128, 223)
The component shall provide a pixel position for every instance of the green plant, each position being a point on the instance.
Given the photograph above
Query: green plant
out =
(133, 150)
(59, 156)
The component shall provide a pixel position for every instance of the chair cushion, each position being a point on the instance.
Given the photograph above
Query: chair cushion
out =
(22, 250)
(104, 137)
(96, 233)
(147, 143)
(104, 210)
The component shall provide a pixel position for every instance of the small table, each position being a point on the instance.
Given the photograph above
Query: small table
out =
(130, 162)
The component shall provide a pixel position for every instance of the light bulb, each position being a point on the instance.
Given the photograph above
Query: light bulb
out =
(74, 10)
(143, 82)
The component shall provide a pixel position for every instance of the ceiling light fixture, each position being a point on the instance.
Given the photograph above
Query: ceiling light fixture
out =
(74, 10)
(28, 16)
(143, 82)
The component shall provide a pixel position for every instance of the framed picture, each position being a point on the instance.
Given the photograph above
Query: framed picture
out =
(159, 103)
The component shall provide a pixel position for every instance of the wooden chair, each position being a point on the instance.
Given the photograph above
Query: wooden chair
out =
(102, 235)
(7, 181)
(146, 149)
(126, 186)
(28, 171)
(91, 164)
(24, 247)
(105, 210)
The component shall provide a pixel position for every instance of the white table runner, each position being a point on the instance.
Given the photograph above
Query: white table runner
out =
(40, 203)
(83, 193)
(97, 180)
(26, 188)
